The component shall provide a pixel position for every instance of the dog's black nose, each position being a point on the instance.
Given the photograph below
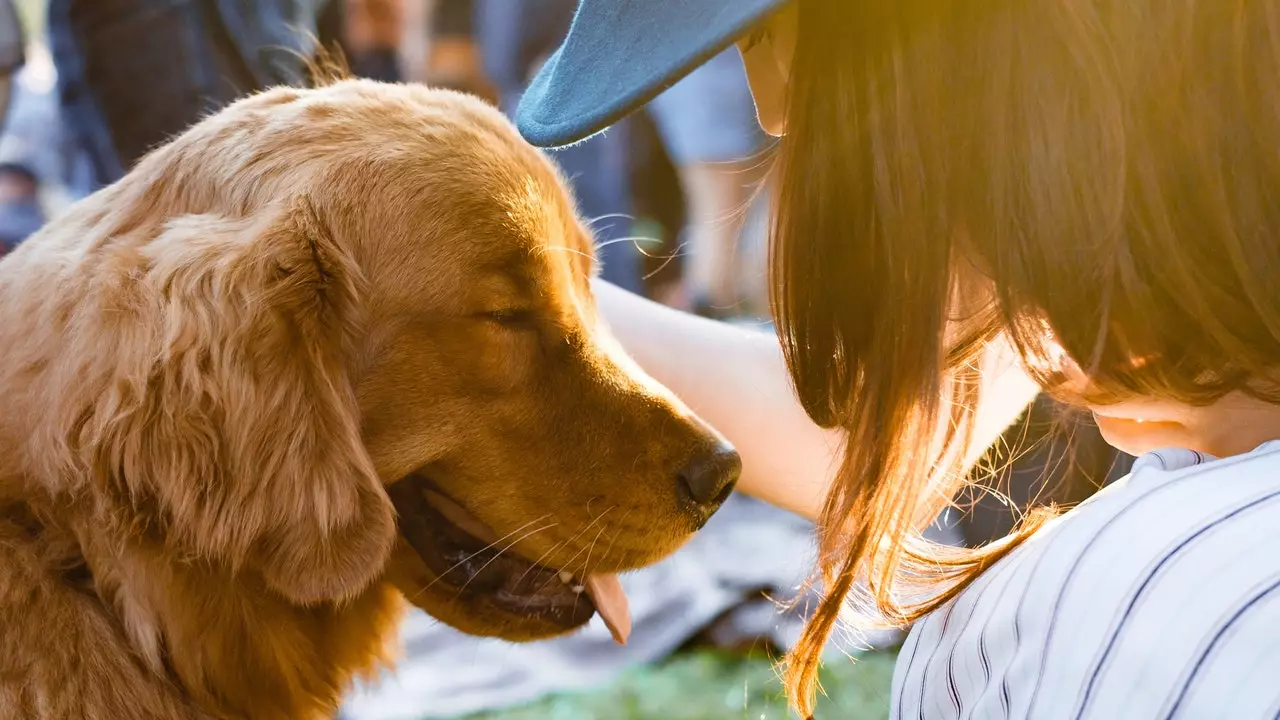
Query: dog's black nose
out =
(710, 476)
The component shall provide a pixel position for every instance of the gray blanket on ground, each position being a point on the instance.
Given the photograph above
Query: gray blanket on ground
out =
(718, 576)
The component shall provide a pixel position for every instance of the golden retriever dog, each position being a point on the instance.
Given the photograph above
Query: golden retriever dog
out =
(327, 350)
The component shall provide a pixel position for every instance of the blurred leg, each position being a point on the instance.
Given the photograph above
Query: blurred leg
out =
(717, 196)
(707, 122)
(80, 110)
(133, 73)
(659, 205)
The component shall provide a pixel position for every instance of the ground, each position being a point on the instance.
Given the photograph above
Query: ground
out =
(713, 686)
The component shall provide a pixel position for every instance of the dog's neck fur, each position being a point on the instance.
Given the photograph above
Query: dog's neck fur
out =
(198, 629)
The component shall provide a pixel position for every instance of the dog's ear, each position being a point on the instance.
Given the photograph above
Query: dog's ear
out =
(231, 423)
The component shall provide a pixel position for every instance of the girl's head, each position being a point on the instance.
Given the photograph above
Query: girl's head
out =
(1099, 179)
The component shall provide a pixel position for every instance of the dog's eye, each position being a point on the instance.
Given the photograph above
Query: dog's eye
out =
(518, 318)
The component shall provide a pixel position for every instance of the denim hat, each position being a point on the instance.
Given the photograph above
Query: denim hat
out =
(620, 54)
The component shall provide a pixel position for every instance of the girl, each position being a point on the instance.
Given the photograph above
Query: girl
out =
(1094, 184)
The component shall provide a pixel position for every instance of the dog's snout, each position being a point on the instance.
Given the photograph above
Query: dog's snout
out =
(710, 476)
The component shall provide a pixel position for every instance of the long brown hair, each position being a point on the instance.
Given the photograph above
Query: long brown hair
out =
(1098, 179)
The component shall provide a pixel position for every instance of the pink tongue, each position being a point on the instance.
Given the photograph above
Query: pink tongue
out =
(611, 602)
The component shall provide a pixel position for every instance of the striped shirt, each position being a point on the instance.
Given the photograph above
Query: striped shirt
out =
(1159, 597)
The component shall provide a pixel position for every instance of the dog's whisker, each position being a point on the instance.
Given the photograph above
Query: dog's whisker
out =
(636, 240)
(566, 248)
(508, 546)
(499, 554)
(493, 544)
(580, 533)
(590, 548)
(591, 222)
(553, 549)
(587, 562)
(557, 546)
(625, 515)
(665, 261)
(538, 563)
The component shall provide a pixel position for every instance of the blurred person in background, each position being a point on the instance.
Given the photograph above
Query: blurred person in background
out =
(36, 159)
(708, 127)
(20, 213)
(28, 124)
(132, 73)
(454, 54)
(372, 37)
(12, 53)
(30, 146)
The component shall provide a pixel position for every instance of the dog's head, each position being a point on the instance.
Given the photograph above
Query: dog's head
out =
(317, 301)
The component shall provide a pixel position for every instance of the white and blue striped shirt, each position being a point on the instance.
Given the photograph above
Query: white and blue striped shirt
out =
(1157, 598)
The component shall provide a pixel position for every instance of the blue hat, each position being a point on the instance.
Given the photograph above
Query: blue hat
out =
(620, 54)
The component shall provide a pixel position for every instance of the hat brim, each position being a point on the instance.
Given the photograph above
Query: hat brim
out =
(620, 54)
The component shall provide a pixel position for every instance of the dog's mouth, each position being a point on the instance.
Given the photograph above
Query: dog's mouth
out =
(471, 558)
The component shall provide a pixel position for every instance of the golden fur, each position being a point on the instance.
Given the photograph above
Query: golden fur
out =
(213, 368)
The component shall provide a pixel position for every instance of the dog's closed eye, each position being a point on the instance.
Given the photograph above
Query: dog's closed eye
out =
(512, 318)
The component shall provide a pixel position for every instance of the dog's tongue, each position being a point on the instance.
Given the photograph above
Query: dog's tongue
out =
(611, 602)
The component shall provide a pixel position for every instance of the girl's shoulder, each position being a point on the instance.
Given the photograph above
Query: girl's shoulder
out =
(1159, 594)
(1183, 487)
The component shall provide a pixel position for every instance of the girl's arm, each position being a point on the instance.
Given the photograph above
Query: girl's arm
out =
(736, 380)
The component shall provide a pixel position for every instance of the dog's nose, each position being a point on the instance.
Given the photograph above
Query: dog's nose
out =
(710, 476)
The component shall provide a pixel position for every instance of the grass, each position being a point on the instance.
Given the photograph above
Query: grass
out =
(715, 686)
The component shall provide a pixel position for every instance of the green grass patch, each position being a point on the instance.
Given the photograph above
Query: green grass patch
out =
(715, 686)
